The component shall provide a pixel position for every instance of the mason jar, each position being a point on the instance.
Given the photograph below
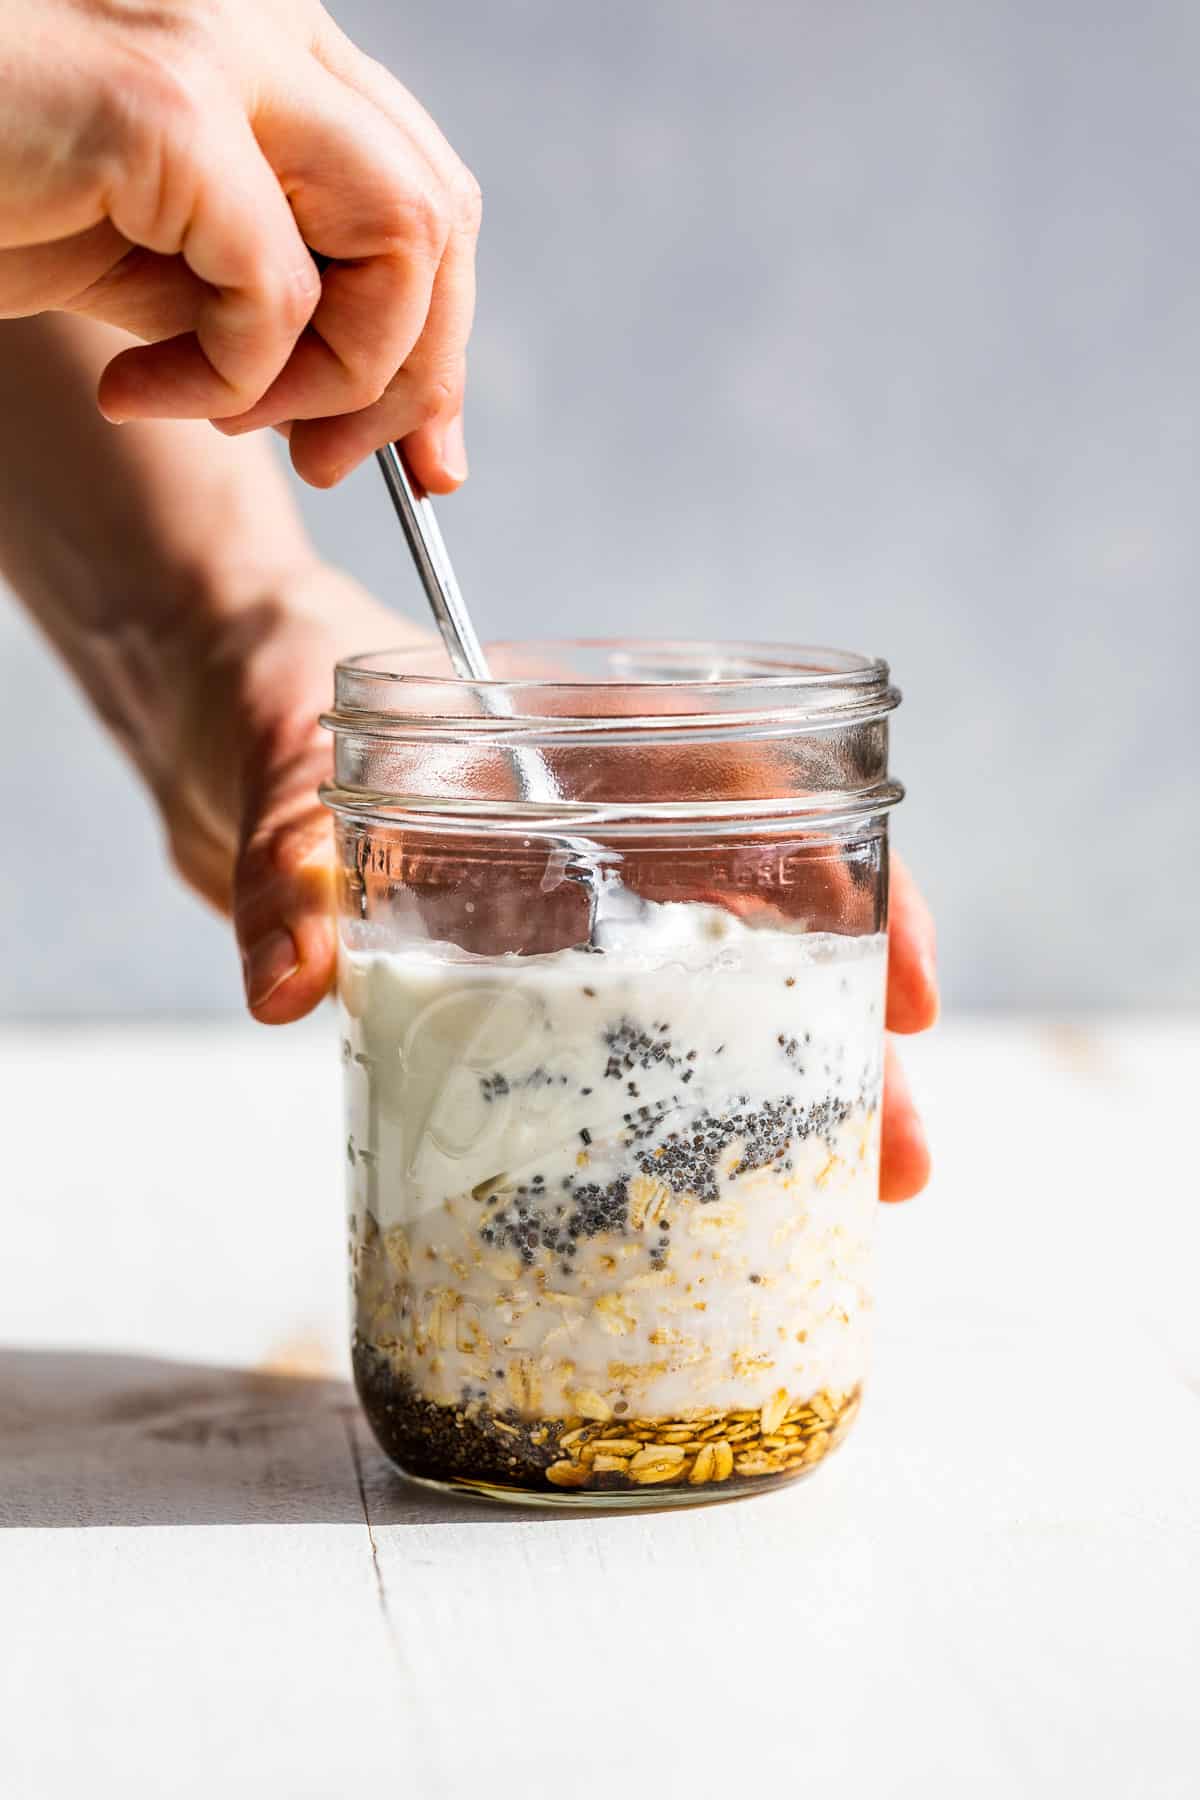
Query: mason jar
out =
(611, 973)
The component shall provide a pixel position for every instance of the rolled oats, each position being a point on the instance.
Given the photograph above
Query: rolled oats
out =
(703, 1468)
(722, 1461)
(656, 1470)
(773, 1412)
(567, 1474)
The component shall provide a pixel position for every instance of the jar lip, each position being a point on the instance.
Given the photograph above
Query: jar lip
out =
(749, 663)
(611, 685)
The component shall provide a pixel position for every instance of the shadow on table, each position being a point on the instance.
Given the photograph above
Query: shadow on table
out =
(89, 1438)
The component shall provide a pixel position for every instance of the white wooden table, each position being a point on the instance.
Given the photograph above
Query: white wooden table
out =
(210, 1584)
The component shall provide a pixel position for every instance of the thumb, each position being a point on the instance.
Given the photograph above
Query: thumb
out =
(284, 888)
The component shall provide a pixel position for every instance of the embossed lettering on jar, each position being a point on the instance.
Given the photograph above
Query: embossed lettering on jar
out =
(612, 966)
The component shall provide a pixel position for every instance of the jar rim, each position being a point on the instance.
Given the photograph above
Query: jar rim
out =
(749, 662)
(629, 685)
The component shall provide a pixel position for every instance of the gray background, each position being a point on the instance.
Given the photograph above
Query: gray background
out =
(866, 324)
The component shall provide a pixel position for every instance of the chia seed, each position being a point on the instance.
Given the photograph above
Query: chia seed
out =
(629, 1048)
(521, 1225)
(688, 1162)
(499, 1087)
(442, 1442)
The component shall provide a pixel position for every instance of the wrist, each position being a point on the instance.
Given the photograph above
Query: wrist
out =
(210, 670)
(144, 637)
(251, 671)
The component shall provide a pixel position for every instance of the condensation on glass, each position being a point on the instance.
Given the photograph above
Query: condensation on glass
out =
(611, 971)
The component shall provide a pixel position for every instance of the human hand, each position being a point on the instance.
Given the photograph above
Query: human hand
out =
(239, 792)
(166, 168)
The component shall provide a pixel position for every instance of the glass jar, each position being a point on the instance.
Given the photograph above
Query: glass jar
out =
(612, 967)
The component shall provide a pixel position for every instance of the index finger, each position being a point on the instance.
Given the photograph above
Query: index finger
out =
(214, 200)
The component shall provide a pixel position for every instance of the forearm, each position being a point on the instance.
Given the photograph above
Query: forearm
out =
(130, 545)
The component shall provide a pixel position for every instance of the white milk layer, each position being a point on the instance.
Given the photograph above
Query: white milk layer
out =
(632, 1182)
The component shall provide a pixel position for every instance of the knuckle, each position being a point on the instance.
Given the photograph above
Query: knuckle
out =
(420, 224)
(146, 96)
(143, 135)
(156, 65)
(274, 858)
(373, 70)
(295, 293)
(435, 395)
(468, 201)
(366, 382)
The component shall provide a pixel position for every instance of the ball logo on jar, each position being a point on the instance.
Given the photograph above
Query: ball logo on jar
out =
(478, 1082)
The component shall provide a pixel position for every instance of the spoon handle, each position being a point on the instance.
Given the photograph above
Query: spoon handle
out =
(419, 523)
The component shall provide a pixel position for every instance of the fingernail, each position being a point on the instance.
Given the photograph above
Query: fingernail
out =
(268, 964)
(112, 417)
(454, 450)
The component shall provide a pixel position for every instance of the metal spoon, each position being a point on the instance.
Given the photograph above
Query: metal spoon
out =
(419, 523)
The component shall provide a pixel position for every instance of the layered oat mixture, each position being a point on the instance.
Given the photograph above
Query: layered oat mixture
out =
(611, 1210)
